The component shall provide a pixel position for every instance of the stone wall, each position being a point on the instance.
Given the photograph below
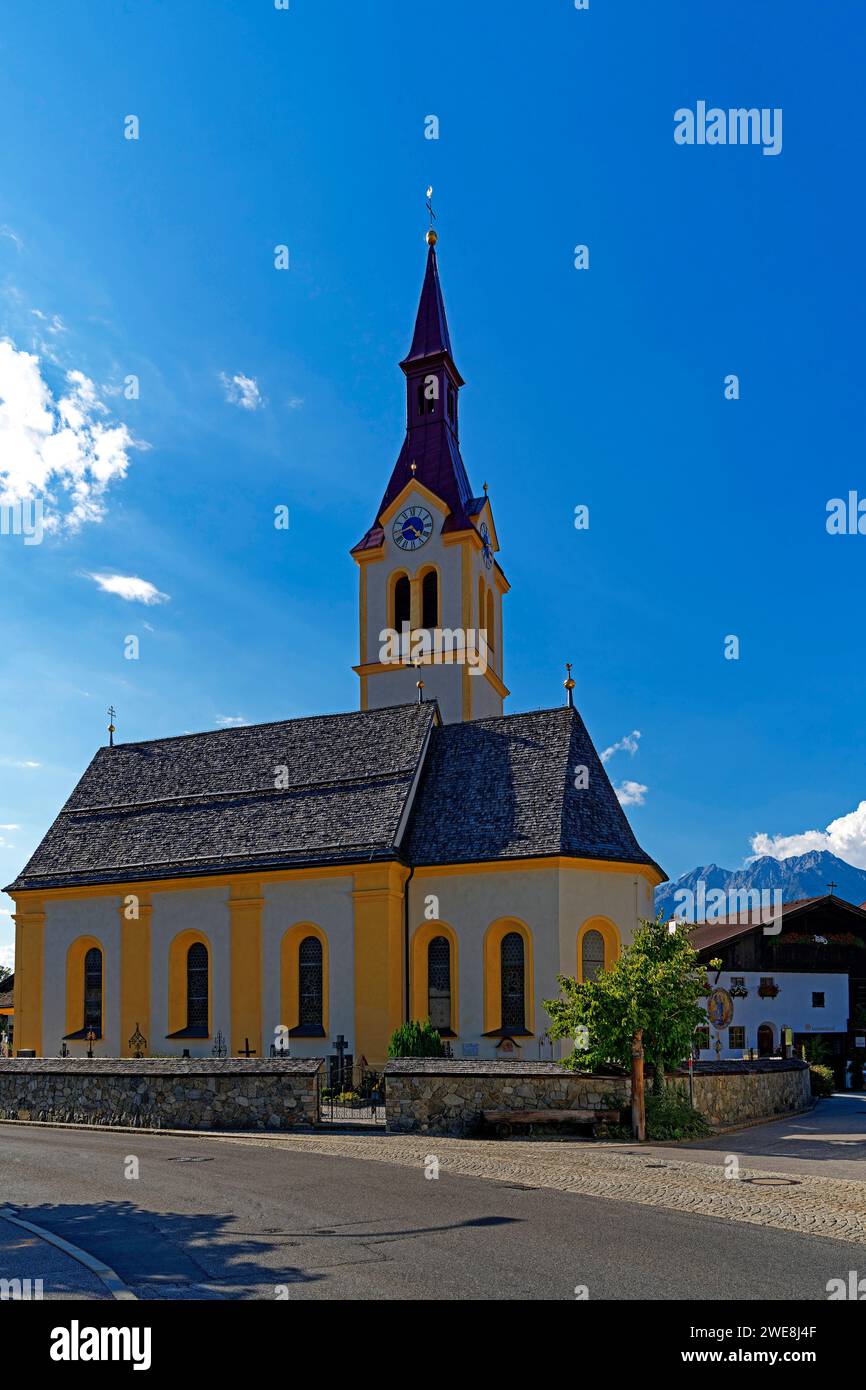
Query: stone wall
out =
(447, 1097)
(161, 1093)
(736, 1093)
(442, 1097)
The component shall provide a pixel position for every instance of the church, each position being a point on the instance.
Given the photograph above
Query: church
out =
(426, 856)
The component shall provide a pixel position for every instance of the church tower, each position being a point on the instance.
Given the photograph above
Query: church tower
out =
(431, 588)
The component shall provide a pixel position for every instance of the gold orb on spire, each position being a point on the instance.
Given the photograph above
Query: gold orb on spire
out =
(431, 238)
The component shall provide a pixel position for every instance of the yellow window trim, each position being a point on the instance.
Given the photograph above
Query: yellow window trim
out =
(290, 974)
(177, 1001)
(419, 978)
(493, 973)
(75, 984)
(609, 933)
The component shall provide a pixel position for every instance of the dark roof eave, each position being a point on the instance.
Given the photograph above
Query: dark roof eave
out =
(145, 873)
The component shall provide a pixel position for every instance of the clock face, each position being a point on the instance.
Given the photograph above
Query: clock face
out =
(488, 548)
(412, 528)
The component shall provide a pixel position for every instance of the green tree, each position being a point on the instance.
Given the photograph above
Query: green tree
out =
(655, 990)
(416, 1039)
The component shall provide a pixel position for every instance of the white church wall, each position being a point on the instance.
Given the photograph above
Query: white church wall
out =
(205, 910)
(65, 921)
(328, 904)
(469, 903)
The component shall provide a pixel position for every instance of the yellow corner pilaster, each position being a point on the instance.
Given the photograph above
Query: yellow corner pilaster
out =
(135, 913)
(29, 972)
(245, 908)
(379, 965)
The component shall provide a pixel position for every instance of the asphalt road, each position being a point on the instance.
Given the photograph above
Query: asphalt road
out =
(830, 1140)
(211, 1219)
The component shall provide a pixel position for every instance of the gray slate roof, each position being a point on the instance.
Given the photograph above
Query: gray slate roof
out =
(206, 803)
(503, 788)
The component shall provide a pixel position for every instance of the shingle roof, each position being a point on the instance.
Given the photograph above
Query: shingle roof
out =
(503, 788)
(204, 803)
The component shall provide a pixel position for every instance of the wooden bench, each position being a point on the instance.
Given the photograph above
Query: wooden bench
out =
(504, 1122)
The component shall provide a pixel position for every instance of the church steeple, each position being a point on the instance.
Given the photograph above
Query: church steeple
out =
(438, 539)
(431, 325)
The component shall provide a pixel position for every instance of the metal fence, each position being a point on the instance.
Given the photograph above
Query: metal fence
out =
(350, 1095)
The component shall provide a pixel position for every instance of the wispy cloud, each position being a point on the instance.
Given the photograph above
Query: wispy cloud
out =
(631, 793)
(242, 391)
(54, 324)
(12, 236)
(10, 827)
(129, 587)
(14, 762)
(845, 837)
(232, 721)
(7, 954)
(627, 744)
(65, 450)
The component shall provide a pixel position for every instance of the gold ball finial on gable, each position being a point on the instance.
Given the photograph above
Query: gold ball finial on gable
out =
(431, 238)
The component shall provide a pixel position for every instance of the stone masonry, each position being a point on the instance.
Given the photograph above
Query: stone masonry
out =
(162, 1093)
(447, 1097)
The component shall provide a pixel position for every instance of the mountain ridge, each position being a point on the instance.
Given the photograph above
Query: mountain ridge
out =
(800, 876)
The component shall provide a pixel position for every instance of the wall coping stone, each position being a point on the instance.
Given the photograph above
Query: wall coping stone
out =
(482, 1066)
(760, 1065)
(474, 1066)
(162, 1066)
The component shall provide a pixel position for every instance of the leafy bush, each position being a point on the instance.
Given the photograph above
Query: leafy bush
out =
(668, 1116)
(823, 1081)
(416, 1039)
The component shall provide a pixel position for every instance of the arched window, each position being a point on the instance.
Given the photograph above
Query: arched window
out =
(93, 990)
(439, 982)
(402, 601)
(430, 600)
(513, 976)
(310, 982)
(197, 987)
(592, 955)
(491, 627)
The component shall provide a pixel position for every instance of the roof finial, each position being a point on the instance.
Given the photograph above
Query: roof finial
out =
(484, 485)
(569, 686)
(419, 685)
(413, 465)
(431, 235)
(111, 713)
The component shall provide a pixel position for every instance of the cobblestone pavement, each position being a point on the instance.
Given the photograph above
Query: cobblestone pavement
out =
(831, 1207)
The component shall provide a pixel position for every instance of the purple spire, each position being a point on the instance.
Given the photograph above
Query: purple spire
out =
(431, 326)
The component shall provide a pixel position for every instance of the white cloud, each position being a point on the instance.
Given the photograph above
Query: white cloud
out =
(10, 827)
(66, 450)
(232, 721)
(7, 955)
(129, 587)
(631, 793)
(13, 762)
(627, 744)
(54, 324)
(13, 236)
(242, 391)
(845, 837)
(5, 844)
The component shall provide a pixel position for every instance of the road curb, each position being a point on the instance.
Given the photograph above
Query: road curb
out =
(109, 1278)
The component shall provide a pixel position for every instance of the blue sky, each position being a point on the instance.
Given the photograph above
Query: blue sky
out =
(602, 387)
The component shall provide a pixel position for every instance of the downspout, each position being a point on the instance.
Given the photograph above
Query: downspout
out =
(406, 939)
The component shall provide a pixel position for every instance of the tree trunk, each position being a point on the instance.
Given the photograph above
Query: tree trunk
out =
(638, 1107)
